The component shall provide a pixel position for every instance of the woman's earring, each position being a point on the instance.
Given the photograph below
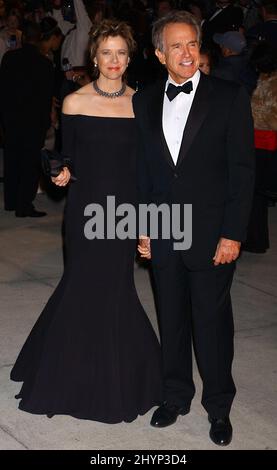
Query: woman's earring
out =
(95, 65)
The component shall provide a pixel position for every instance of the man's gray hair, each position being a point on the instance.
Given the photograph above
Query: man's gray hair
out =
(173, 17)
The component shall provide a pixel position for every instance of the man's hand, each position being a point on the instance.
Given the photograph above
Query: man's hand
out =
(226, 251)
(144, 248)
(63, 178)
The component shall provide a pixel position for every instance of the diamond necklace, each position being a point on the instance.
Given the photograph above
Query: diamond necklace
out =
(106, 94)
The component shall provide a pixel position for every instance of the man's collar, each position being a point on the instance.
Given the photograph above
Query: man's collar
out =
(194, 79)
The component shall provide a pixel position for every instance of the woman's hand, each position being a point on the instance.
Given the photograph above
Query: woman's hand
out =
(144, 247)
(63, 178)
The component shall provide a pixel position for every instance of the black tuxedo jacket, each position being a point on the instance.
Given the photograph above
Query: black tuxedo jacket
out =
(26, 90)
(214, 171)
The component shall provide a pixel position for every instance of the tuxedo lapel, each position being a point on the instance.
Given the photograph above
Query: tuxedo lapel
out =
(197, 115)
(155, 112)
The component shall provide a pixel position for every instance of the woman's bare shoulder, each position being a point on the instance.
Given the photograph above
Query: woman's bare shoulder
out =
(73, 103)
(130, 91)
(85, 90)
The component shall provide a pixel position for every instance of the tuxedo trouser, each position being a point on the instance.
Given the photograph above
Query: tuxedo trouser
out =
(194, 307)
(21, 175)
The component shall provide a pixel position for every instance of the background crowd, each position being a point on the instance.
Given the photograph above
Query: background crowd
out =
(44, 57)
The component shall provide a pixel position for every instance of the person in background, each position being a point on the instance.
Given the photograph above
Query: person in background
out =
(197, 10)
(162, 8)
(50, 43)
(51, 37)
(57, 14)
(233, 63)
(225, 17)
(267, 29)
(10, 35)
(26, 90)
(251, 13)
(264, 109)
(205, 64)
(2, 14)
(75, 45)
(232, 45)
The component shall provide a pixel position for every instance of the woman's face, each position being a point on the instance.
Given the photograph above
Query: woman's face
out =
(112, 57)
(205, 65)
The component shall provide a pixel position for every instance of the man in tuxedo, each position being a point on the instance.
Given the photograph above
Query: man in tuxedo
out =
(196, 139)
(26, 90)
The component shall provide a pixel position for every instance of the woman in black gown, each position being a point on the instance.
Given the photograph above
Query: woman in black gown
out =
(92, 353)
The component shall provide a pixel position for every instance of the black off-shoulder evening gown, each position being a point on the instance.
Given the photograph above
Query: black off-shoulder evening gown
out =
(92, 353)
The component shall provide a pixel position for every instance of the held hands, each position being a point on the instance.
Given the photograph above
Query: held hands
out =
(144, 247)
(63, 178)
(226, 251)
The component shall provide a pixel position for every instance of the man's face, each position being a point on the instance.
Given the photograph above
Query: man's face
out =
(180, 52)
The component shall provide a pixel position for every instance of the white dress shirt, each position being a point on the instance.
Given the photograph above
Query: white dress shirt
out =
(175, 115)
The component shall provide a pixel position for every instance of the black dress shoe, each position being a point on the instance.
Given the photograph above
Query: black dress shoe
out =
(31, 213)
(221, 430)
(166, 415)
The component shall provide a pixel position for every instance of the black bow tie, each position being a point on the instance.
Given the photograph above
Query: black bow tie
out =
(172, 90)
